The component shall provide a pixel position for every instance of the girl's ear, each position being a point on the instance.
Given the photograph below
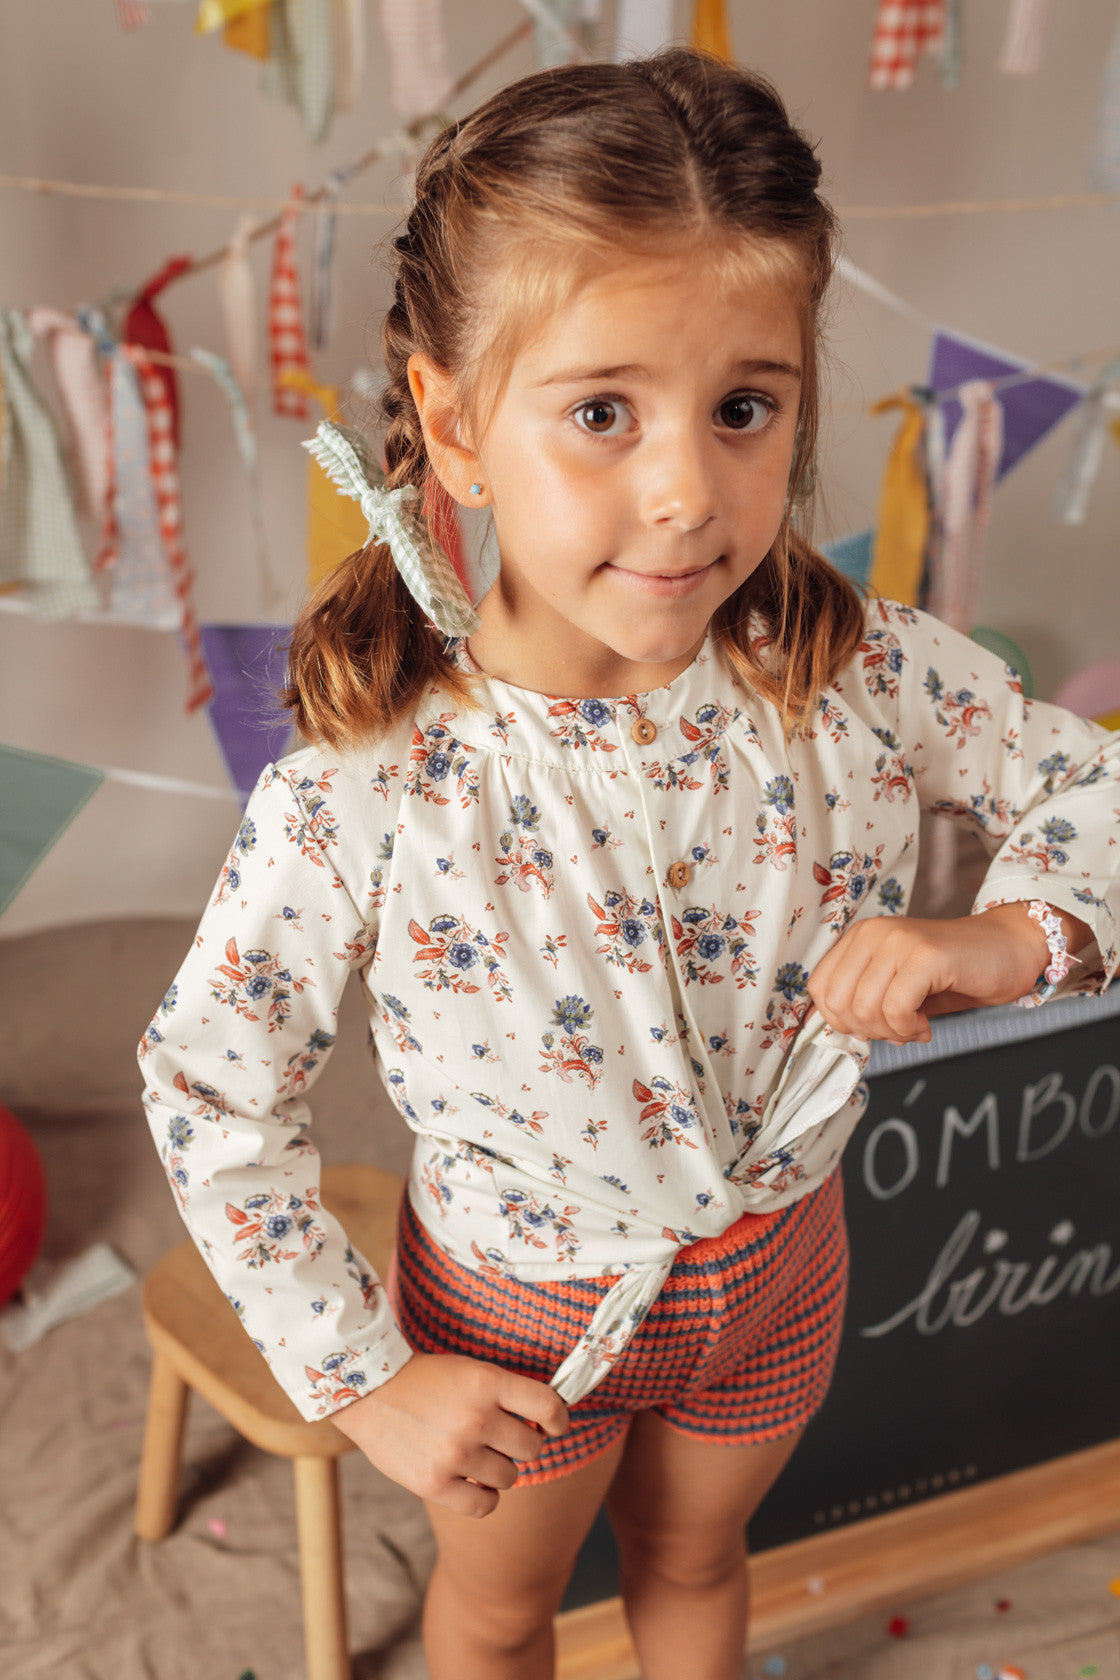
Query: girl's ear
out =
(452, 459)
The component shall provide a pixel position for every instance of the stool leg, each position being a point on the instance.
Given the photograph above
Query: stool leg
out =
(319, 1523)
(159, 1461)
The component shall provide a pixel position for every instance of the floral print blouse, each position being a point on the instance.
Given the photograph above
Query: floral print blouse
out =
(583, 930)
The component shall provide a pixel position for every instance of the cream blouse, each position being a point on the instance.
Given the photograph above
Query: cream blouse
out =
(583, 930)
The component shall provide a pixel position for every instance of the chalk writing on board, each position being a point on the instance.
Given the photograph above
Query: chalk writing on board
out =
(958, 1292)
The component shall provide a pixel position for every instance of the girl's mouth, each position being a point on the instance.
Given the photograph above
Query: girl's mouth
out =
(665, 583)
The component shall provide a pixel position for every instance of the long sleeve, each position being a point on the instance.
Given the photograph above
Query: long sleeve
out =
(236, 1043)
(1039, 785)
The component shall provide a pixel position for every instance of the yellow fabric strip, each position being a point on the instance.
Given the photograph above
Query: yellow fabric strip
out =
(336, 526)
(215, 14)
(251, 33)
(711, 31)
(898, 555)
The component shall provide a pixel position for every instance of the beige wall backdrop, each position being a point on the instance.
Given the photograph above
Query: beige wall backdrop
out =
(160, 107)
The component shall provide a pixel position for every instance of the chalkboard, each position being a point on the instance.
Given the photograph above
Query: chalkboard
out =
(983, 1326)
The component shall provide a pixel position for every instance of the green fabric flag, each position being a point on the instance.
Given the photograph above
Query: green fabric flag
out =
(39, 799)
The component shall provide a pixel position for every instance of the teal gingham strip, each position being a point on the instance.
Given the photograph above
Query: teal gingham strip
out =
(40, 546)
(429, 575)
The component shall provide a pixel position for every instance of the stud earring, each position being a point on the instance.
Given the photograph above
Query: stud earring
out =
(476, 489)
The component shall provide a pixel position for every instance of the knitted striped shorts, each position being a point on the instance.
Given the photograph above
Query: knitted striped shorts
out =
(737, 1349)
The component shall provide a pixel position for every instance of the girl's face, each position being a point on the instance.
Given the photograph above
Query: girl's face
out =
(638, 465)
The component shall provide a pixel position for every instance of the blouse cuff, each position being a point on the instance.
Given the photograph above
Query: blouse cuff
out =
(350, 1375)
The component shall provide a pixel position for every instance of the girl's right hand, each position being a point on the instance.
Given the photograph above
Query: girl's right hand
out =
(448, 1428)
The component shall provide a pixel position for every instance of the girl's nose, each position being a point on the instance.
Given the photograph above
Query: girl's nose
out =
(680, 493)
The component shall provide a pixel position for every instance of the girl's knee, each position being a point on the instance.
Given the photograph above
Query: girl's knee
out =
(496, 1613)
(694, 1559)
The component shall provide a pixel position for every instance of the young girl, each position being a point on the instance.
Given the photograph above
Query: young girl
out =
(621, 860)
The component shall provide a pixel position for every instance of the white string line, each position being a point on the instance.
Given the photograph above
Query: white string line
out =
(223, 201)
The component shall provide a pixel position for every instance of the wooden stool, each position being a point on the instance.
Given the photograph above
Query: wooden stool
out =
(198, 1343)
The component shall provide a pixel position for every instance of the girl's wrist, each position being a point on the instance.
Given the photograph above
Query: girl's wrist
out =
(1052, 936)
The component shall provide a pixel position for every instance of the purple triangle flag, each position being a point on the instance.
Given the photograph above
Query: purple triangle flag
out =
(248, 665)
(1030, 409)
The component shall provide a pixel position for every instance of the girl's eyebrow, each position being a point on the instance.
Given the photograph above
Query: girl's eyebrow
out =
(633, 370)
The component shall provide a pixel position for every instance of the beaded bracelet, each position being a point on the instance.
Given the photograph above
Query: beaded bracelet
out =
(1060, 959)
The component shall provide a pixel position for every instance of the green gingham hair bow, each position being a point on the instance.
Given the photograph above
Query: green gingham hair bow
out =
(428, 574)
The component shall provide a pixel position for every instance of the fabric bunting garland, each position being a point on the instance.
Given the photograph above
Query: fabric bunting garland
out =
(1025, 40)
(72, 353)
(903, 530)
(419, 80)
(554, 29)
(238, 300)
(285, 316)
(903, 30)
(144, 325)
(711, 31)
(642, 26)
(248, 666)
(131, 557)
(39, 799)
(964, 501)
(350, 55)
(1071, 500)
(1104, 165)
(40, 546)
(165, 481)
(222, 374)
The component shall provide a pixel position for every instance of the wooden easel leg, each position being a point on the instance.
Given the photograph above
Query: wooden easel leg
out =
(319, 1523)
(157, 1488)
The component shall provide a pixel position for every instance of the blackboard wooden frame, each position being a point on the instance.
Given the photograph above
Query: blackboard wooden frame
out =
(885, 1562)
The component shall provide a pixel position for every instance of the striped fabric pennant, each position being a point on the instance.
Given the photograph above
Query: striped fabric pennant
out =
(133, 14)
(904, 29)
(964, 501)
(237, 299)
(73, 358)
(1025, 39)
(40, 547)
(325, 225)
(144, 325)
(165, 481)
(287, 345)
(132, 555)
(419, 80)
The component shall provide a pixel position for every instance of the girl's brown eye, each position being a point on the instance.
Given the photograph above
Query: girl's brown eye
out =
(745, 414)
(597, 417)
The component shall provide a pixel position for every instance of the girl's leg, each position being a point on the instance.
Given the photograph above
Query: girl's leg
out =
(678, 1507)
(499, 1580)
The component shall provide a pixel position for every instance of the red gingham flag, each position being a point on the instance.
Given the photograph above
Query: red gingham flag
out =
(165, 482)
(903, 29)
(133, 14)
(287, 344)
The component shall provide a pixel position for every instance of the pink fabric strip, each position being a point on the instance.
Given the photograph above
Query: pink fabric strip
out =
(165, 480)
(419, 79)
(287, 343)
(73, 359)
(964, 506)
(1025, 39)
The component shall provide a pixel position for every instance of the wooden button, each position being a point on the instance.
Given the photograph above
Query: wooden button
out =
(644, 730)
(680, 874)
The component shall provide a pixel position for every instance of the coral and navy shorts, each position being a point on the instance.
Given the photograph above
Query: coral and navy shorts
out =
(738, 1348)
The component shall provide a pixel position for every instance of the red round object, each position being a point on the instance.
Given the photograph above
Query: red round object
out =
(23, 1203)
(898, 1627)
